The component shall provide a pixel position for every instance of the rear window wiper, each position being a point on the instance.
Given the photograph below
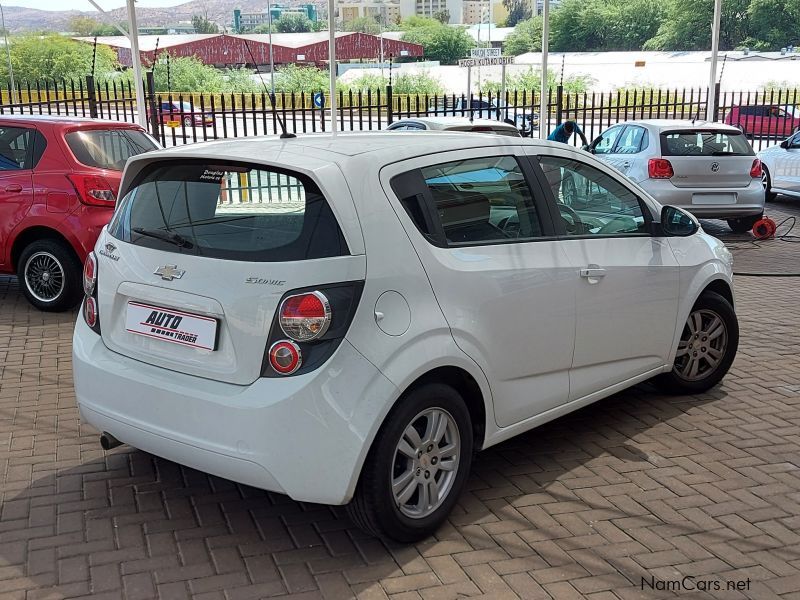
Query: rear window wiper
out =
(167, 236)
(724, 153)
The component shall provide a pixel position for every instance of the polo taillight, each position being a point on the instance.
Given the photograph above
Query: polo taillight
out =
(755, 170)
(305, 317)
(89, 274)
(660, 168)
(93, 190)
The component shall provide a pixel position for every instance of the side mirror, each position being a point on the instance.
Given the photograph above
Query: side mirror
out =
(785, 144)
(676, 222)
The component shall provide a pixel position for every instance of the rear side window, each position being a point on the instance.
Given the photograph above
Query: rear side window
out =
(229, 211)
(20, 148)
(698, 142)
(108, 148)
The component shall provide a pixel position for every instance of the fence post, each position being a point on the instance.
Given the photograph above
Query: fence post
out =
(91, 92)
(151, 104)
(559, 103)
(389, 105)
(716, 102)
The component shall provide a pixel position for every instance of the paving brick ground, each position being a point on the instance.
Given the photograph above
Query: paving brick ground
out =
(620, 500)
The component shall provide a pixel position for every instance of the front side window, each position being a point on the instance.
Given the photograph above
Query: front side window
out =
(231, 211)
(108, 148)
(699, 142)
(632, 141)
(481, 201)
(591, 202)
(605, 143)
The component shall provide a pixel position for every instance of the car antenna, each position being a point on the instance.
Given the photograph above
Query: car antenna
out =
(285, 135)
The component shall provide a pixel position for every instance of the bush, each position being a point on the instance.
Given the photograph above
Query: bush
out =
(419, 83)
(531, 80)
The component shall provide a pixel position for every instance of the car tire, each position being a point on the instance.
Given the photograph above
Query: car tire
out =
(712, 321)
(50, 275)
(394, 514)
(766, 181)
(744, 224)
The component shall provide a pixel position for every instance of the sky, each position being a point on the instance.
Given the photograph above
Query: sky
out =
(84, 5)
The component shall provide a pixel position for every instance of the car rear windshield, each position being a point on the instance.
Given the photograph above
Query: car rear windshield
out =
(108, 148)
(708, 142)
(228, 210)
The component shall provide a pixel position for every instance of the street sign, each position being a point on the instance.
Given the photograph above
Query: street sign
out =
(319, 100)
(485, 53)
(486, 62)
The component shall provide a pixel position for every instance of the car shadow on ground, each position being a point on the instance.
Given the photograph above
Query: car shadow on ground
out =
(136, 513)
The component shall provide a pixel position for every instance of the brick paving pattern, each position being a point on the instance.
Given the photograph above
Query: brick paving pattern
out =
(640, 486)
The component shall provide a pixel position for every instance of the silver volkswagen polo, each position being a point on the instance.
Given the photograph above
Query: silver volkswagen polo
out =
(709, 169)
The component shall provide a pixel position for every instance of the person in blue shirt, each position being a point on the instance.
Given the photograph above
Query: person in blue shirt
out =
(563, 133)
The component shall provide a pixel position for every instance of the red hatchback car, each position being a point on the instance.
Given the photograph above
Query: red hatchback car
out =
(59, 178)
(765, 120)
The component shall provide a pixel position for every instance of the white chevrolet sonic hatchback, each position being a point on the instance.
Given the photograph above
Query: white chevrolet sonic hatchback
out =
(348, 320)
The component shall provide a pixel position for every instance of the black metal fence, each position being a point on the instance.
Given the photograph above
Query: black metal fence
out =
(180, 118)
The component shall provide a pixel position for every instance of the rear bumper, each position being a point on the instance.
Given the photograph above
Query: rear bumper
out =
(304, 436)
(749, 200)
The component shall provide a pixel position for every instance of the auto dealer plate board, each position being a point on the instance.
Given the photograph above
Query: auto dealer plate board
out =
(170, 325)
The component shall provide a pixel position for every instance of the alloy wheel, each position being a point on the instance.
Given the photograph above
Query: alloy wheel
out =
(702, 346)
(44, 276)
(764, 180)
(425, 463)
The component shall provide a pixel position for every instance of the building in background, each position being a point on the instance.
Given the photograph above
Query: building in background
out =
(383, 12)
(247, 21)
(484, 11)
(540, 5)
(428, 8)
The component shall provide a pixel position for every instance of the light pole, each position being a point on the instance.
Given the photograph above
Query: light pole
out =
(712, 75)
(14, 98)
(544, 115)
(271, 60)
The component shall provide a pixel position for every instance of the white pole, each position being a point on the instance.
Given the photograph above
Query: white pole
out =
(271, 59)
(14, 98)
(544, 118)
(712, 75)
(332, 63)
(136, 61)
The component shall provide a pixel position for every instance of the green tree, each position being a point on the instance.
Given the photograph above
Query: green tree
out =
(83, 26)
(773, 24)
(417, 22)
(526, 37)
(263, 28)
(202, 25)
(364, 25)
(687, 25)
(440, 42)
(105, 29)
(54, 57)
(518, 11)
(443, 16)
(293, 23)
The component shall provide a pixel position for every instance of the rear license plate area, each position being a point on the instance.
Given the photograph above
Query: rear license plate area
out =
(713, 198)
(170, 325)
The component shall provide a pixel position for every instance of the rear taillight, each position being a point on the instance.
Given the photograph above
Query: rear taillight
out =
(90, 268)
(660, 168)
(90, 311)
(89, 274)
(305, 317)
(285, 357)
(755, 170)
(93, 190)
(315, 320)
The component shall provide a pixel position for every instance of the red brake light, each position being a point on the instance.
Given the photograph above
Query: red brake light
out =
(93, 190)
(305, 317)
(90, 311)
(285, 357)
(89, 274)
(660, 168)
(755, 170)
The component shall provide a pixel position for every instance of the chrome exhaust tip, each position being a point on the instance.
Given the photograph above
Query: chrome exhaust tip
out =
(108, 441)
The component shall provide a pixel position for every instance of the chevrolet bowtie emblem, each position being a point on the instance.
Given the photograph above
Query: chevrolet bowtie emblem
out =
(169, 272)
(110, 247)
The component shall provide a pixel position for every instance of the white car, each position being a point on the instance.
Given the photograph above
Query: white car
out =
(454, 124)
(708, 169)
(347, 320)
(781, 168)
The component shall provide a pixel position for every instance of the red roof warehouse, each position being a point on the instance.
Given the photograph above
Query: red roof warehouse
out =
(230, 50)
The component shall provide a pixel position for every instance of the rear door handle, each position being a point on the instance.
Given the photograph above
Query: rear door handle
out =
(593, 273)
(14, 188)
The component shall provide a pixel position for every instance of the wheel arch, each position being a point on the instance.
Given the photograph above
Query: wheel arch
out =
(33, 234)
(721, 287)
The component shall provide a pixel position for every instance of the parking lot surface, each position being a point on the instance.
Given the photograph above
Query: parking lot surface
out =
(641, 495)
